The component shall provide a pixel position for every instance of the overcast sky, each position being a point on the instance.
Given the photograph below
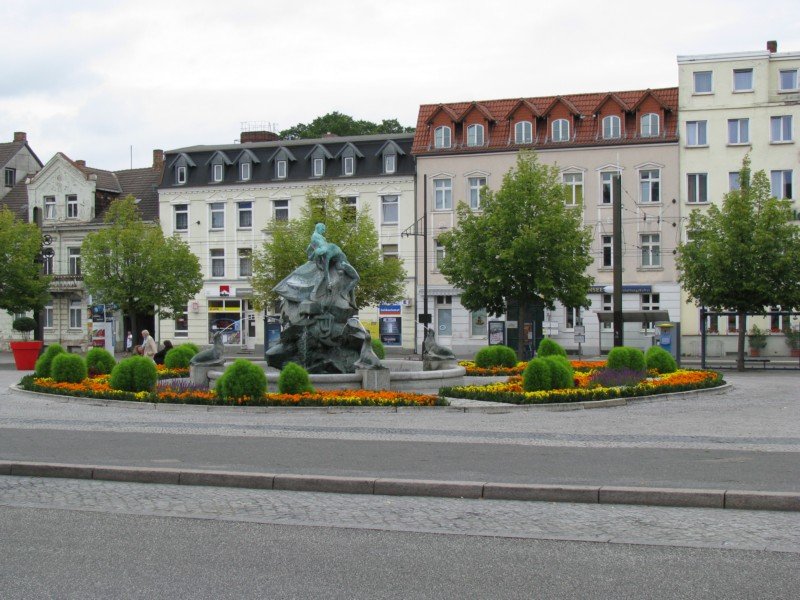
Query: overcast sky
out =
(91, 78)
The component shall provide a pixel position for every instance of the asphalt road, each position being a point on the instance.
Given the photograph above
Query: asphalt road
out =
(656, 467)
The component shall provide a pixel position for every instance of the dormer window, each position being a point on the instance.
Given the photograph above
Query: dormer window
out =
(348, 165)
(650, 125)
(611, 127)
(475, 135)
(523, 132)
(389, 163)
(560, 130)
(244, 171)
(441, 137)
(217, 172)
(318, 169)
(180, 175)
(281, 168)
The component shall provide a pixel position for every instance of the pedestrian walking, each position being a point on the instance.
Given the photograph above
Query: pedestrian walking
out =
(149, 346)
(129, 343)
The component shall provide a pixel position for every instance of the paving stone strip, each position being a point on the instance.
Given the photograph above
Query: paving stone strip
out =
(646, 496)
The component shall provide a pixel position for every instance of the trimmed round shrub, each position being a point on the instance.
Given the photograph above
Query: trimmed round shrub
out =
(536, 376)
(548, 347)
(242, 379)
(378, 349)
(42, 368)
(625, 357)
(496, 356)
(191, 346)
(134, 374)
(68, 367)
(99, 361)
(562, 375)
(660, 360)
(178, 357)
(24, 325)
(294, 379)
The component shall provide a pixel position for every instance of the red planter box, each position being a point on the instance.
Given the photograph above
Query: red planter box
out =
(25, 354)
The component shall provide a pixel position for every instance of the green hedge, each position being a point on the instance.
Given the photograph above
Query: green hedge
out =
(660, 360)
(548, 347)
(496, 356)
(99, 361)
(242, 379)
(134, 374)
(43, 363)
(294, 379)
(68, 368)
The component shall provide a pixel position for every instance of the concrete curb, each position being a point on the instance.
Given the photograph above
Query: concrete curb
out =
(587, 494)
(484, 408)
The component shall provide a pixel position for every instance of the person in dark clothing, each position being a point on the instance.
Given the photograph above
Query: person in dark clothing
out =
(159, 356)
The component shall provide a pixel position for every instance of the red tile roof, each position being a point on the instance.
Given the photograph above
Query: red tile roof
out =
(583, 106)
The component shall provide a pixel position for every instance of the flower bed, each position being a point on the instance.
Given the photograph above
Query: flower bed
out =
(472, 369)
(98, 387)
(167, 373)
(512, 392)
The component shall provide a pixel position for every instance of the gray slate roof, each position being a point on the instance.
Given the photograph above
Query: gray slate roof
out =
(16, 200)
(142, 184)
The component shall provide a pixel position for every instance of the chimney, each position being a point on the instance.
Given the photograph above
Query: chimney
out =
(81, 163)
(258, 136)
(158, 160)
(772, 46)
(20, 136)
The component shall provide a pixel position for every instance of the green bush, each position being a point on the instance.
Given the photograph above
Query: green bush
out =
(562, 375)
(659, 359)
(548, 347)
(178, 357)
(190, 346)
(537, 376)
(99, 361)
(294, 380)
(378, 349)
(68, 367)
(625, 357)
(134, 374)
(42, 368)
(242, 379)
(24, 325)
(496, 356)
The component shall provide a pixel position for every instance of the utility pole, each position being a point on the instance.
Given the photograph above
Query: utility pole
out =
(617, 249)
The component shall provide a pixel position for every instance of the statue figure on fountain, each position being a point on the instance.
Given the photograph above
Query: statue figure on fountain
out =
(318, 308)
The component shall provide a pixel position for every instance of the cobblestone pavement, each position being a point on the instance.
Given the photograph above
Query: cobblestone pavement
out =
(689, 527)
(760, 412)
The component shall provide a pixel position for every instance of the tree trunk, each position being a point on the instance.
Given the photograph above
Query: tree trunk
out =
(742, 332)
(134, 330)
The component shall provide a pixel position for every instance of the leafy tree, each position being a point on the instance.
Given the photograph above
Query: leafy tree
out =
(745, 256)
(22, 285)
(354, 233)
(131, 264)
(341, 124)
(525, 245)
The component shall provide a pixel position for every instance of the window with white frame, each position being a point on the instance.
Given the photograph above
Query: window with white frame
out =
(49, 207)
(389, 163)
(607, 305)
(780, 129)
(180, 174)
(574, 183)
(244, 171)
(47, 317)
(702, 82)
(610, 192)
(280, 210)
(318, 167)
(781, 184)
(181, 216)
(10, 177)
(74, 261)
(217, 212)
(75, 314)
(697, 185)
(443, 194)
(696, 133)
(738, 131)
(611, 127)
(712, 323)
(441, 137)
(217, 172)
(48, 262)
(389, 210)
(281, 168)
(733, 181)
(182, 324)
(650, 185)
(788, 80)
(348, 165)
(438, 254)
(245, 214)
(650, 244)
(217, 258)
(650, 302)
(475, 135)
(560, 130)
(72, 206)
(475, 187)
(349, 206)
(390, 252)
(743, 80)
(650, 125)
(523, 132)
(245, 256)
(607, 243)
(572, 316)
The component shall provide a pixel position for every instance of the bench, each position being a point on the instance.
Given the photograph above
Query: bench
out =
(763, 361)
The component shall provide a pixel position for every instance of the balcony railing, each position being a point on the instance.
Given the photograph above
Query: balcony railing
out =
(66, 283)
